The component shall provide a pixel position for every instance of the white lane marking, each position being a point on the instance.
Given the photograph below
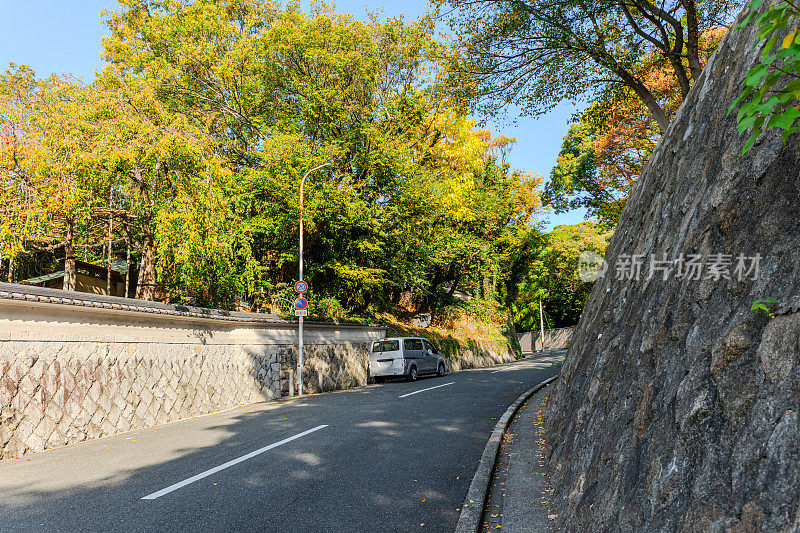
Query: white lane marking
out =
(423, 390)
(496, 371)
(230, 463)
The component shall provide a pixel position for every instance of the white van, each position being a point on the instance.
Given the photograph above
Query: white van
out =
(407, 357)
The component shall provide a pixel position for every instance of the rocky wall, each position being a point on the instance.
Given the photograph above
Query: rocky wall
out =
(478, 356)
(325, 368)
(677, 405)
(329, 368)
(53, 394)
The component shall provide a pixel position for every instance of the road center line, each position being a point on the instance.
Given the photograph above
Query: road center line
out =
(230, 463)
(429, 388)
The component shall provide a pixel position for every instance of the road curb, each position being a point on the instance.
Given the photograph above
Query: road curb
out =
(469, 521)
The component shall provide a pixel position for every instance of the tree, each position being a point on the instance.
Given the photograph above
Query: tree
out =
(549, 273)
(163, 176)
(187, 152)
(76, 159)
(50, 197)
(415, 196)
(606, 149)
(536, 53)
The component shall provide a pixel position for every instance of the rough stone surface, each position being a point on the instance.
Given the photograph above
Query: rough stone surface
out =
(77, 391)
(479, 356)
(336, 367)
(325, 368)
(677, 406)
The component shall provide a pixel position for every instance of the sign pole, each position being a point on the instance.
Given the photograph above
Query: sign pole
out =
(541, 324)
(300, 265)
(300, 321)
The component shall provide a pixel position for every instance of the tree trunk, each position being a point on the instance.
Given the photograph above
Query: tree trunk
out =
(677, 66)
(639, 88)
(70, 272)
(146, 286)
(652, 105)
(11, 269)
(692, 39)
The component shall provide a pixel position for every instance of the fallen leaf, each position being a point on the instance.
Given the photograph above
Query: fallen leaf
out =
(423, 499)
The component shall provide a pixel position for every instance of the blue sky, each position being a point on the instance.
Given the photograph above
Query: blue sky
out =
(64, 37)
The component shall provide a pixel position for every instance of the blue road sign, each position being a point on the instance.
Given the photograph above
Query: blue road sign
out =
(300, 303)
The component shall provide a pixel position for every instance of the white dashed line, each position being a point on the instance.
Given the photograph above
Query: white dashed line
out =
(223, 466)
(429, 388)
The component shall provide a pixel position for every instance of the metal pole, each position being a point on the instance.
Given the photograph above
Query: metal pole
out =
(300, 321)
(541, 323)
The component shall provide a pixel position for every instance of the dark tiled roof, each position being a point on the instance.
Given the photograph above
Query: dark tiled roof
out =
(14, 291)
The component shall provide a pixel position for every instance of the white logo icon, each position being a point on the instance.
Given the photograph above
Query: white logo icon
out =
(591, 266)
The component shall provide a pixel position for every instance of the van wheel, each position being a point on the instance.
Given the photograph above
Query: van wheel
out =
(440, 373)
(412, 374)
(371, 380)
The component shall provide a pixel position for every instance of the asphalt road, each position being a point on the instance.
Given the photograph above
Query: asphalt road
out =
(378, 459)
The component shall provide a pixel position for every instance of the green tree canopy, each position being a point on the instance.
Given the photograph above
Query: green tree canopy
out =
(548, 271)
(536, 53)
(194, 139)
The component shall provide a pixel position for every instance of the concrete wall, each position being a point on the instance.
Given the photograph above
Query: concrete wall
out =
(554, 339)
(75, 366)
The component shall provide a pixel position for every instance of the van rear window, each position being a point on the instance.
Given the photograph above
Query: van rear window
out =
(385, 346)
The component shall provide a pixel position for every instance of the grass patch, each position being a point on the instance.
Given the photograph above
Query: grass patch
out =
(476, 326)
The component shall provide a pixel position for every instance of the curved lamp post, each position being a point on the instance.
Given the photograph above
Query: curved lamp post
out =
(300, 321)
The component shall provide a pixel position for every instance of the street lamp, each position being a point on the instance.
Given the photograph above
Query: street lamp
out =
(300, 321)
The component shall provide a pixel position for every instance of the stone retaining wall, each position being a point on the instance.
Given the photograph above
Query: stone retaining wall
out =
(554, 339)
(677, 405)
(75, 366)
(478, 357)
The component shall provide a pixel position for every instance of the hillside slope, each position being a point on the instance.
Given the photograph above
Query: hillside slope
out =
(677, 406)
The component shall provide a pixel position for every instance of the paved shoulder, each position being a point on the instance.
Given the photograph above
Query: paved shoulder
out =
(519, 499)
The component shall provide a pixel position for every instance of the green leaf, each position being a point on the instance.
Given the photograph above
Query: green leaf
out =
(750, 142)
(745, 123)
(768, 47)
(785, 120)
(789, 131)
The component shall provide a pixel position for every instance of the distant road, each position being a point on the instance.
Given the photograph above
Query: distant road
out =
(387, 457)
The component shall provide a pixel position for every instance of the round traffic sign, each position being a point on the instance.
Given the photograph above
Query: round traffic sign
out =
(301, 303)
(301, 287)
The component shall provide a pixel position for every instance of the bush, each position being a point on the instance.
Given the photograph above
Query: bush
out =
(330, 308)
